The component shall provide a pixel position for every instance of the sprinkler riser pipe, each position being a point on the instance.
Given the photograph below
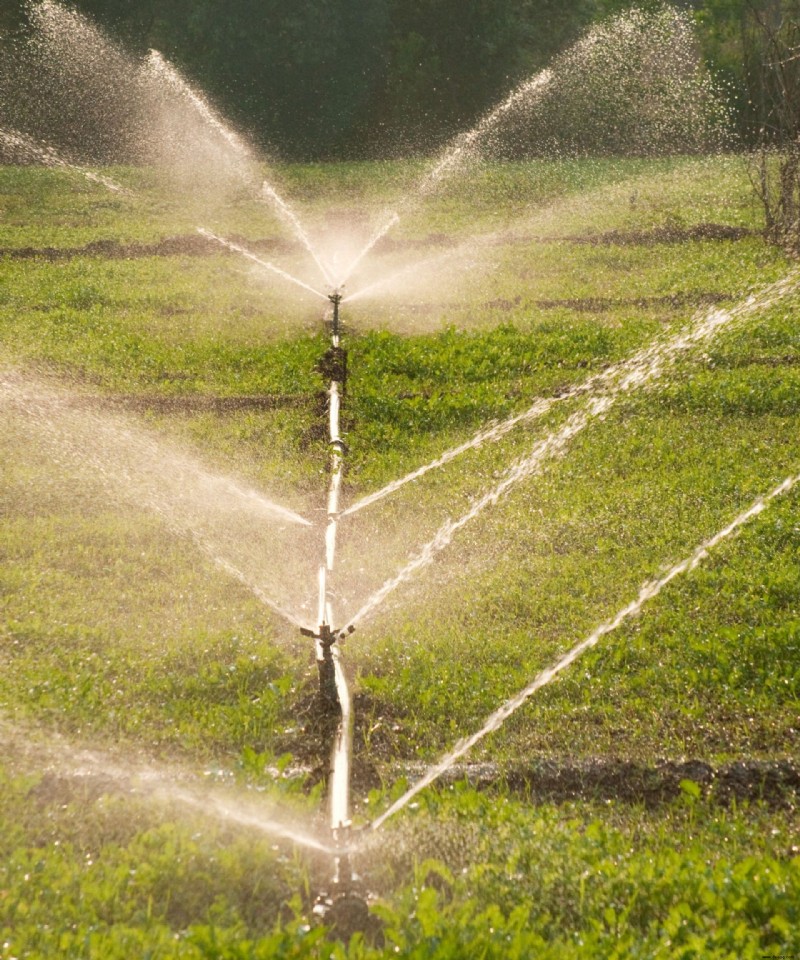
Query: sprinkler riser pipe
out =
(327, 679)
(335, 298)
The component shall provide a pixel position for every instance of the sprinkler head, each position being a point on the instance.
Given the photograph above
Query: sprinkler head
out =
(327, 671)
(326, 635)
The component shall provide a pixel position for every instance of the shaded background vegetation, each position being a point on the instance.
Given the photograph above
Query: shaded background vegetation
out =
(351, 78)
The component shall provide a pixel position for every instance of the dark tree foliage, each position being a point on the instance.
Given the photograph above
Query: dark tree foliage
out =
(299, 75)
(347, 78)
(772, 69)
(317, 79)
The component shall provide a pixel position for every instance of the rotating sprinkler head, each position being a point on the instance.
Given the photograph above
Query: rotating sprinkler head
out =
(326, 636)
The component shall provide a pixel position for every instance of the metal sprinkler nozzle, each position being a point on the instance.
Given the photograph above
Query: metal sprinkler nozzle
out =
(326, 636)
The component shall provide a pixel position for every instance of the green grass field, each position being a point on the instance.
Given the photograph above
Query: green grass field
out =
(121, 635)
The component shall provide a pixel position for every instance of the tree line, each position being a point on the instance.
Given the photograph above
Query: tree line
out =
(317, 79)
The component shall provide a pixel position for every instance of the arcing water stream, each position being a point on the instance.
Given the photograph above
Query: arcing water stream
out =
(162, 70)
(238, 248)
(215, 511)
(640, 368)
(613, 57)
(165, 72)
(156, 785)
(603, 392)
(290, 217)
(462, 150)
(42, 153)
(647, 592)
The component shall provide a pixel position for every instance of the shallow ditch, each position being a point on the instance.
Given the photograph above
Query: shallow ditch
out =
(195, 245)
(538, 780)
(775, 782)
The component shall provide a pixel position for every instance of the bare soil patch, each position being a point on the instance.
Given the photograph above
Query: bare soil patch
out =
(196, 245)
(182, 245)
(776, 782)
(194, 403)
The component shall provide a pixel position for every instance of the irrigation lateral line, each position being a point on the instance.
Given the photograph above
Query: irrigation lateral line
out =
(334, 689)
(648, 591)
(700, 327)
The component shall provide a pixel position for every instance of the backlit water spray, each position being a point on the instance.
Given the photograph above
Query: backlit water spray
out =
(599, 394)
(213, 510)
(156, 785)
(647, 592)
(462, 150)
(290, 217)
(254, 258)
(640, 370)
(17, 142)
(604, 82)
(160, 69)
